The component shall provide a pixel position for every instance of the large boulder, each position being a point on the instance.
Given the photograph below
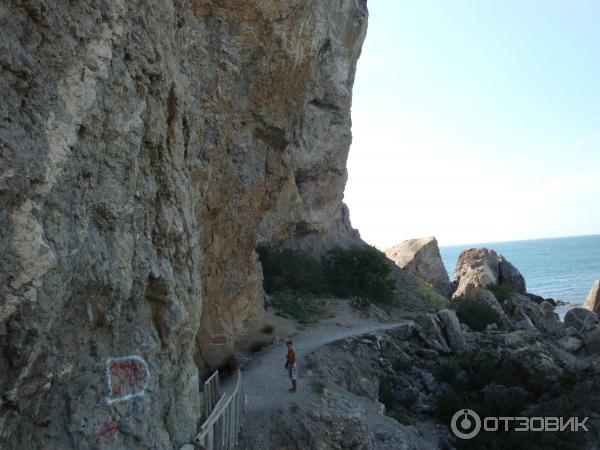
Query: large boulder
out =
(592, 301)
(478, 268)
(422, 258)
(591, 340)
(581, 319)
(570, 343)
(587, 324)
(523, 310)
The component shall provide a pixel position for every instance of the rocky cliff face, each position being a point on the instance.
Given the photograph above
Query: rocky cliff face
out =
(422, 258)
(478, 268)
(147, 148)
(592, 301)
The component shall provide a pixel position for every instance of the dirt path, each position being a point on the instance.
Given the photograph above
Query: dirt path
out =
(265, 378)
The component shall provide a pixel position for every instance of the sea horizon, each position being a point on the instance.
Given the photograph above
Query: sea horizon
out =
(479, 244)
(562, 268)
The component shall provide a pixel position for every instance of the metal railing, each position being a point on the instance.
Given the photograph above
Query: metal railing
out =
(212, 393)
(223, 424)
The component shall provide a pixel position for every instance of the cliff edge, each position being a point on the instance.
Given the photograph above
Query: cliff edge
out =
(146, 149)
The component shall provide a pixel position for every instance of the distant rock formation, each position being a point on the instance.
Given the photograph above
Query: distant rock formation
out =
(478, 268)
(422, 258)
(592, 301)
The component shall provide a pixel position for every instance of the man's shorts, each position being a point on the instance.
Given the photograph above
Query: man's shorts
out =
(293, 371)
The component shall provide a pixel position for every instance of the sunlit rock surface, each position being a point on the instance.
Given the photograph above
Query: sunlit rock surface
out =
(478, 268)
(146, 149)
(592, 301)
(422, 258)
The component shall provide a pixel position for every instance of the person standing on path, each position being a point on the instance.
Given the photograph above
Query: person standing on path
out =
(290, 365)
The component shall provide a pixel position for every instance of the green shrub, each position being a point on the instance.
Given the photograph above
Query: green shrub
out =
(291, 270)
(448, 402)
(401, 417)
(500, 292)
(448, 372)
(431, 300)
(291, 306)
(359, 271)
(268, 329)
(476, 314)
(568, 381)
(318, 387)
(258, 346)
(400, 365)
(386, 394)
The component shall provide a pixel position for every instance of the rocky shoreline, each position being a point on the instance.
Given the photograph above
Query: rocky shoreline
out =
(148, 151)
(528, 363)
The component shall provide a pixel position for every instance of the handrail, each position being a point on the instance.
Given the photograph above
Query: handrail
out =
(221, 428)
(212, 393)
(215, 413)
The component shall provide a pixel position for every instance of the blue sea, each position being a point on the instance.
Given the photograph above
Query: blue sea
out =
(559, 268)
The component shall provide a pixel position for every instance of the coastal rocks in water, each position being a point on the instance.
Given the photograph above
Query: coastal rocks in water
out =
(478, 268)
(539, 299)
(422, 258)
(592, 301)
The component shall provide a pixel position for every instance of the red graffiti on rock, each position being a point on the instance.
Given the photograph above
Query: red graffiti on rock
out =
(127, 377)
(109, 429)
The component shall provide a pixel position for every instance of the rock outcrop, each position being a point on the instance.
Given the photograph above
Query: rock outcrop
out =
(440, 332)
(516, 373)
(430, 331)
(581, 319)
(147, 148)
(529, 314)
(478, 268)
(592, 301)
(422, 258)
(584, 324)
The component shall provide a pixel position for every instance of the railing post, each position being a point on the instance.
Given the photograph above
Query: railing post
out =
(225, 415)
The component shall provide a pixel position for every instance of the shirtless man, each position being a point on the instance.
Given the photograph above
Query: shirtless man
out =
(290, 365)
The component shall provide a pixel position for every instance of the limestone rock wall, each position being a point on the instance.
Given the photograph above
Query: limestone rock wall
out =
(422, 258)
(146, 148)
(478, 268)
(592, 300)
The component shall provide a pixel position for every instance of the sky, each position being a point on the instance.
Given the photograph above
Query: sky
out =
(476, 121)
